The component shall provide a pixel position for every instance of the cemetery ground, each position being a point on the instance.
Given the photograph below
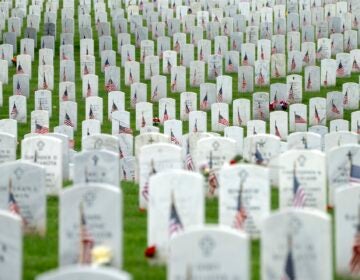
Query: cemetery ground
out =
(41, 253)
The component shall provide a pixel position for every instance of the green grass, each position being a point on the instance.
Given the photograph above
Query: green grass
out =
(41, 254)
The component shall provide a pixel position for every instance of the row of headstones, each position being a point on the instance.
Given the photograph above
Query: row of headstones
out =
(321, 110)
(266, 50)
(248, 76)
(177, 225)
(206, 154)
(338, 15)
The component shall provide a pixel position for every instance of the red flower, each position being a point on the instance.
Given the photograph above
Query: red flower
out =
(272, 106)
(14, 60)
(150, 251)
(232, 162)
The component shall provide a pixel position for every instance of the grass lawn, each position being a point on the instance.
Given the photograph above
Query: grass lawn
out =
(41, 254)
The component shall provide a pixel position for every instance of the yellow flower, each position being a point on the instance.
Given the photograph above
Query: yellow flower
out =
(101, 255)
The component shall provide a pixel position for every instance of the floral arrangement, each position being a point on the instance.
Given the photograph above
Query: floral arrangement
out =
(101, 256)
(156, 121)
(283, 105)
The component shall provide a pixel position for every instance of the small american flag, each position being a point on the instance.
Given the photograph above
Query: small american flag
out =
(319, 52)
(234, 45)
(230, 66)
(131, 78)
(325, 80)
(65, 96)
(145, 191)
(240, 216)
(245, 60)
(187, 109)
(91, 113)
(124, 129)
(166, 115)
(355, 257)
(134, 99)
(143, 122)
(114, 108)
(222, 120)
(155, 93)
(306, 58)
(64, 75)
(67, 120)
(173, 138)
(41, 129)
(124, 173)
(334, 109)
(110, 86)
(317, 116)
(175, 224)
(14, 112)
(128, 57)
(121, 153)
(194, 80)
(219, 52)
(86, 240)
(309, 84)
(173, 84)
(201, 54)
(86, 70)
(262, 54)
(189, 162)
(274, 49)
(64, 56)
(204, 102)
(293, 64)
(18, 88)
(244, 83)
(291, 94)
(277, 131)
(88, 92)
(220, 95)
(348, 45)
(12, 203)
(239, 117)
(260, 79)
(45, 85)
(168, 65)
(289, 269)
(346, 98)
(258, 156)
(298, 191)
(299, 119)
(19, 69)
(340, 71)
(177, 46)
(355, 65)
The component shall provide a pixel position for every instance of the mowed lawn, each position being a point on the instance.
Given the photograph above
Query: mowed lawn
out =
(41, 254)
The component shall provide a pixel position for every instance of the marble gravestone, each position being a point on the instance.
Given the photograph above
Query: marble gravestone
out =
(11, 245)
(296, 244)
(22, 192)
(86, 222)
(176, 202)
(47, 152)
(206, 259)
(84, 273)
(244, 197)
